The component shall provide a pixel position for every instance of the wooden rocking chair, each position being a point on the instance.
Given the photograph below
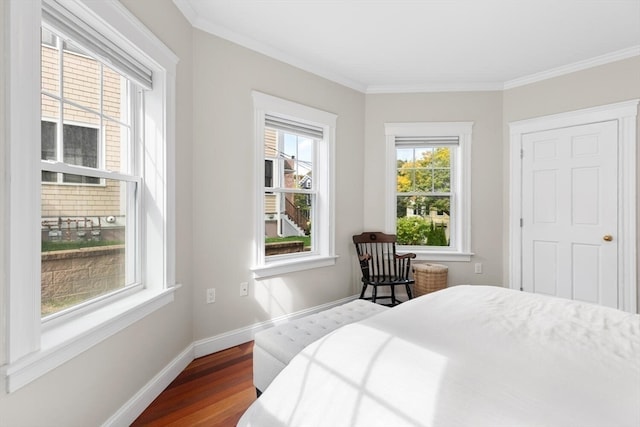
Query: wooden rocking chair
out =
(381, 266)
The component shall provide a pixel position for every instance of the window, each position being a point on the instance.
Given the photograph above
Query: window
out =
(428, 167)
(294, 145)
(97, 108)
(93, 230)
(80, 147)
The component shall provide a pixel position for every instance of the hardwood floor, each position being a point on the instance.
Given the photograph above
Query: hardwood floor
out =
(212, 391)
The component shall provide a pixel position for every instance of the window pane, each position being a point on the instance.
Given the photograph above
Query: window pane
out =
(441, 180)
(405, 180)
(270, 143)
(289, 173)
(48, 147)
(404, 155)
(442, 157)
(114, 90)
(80, 117)
(81, 79)
(50, 108)
(117, 147)
(297, 153)
(423, 220)
(287, 223)
(84, 244)
(423, 180)
(424, 157)
(80, 148)
(50, 63)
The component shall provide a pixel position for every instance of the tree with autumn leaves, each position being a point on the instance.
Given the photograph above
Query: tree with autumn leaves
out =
(423, 184)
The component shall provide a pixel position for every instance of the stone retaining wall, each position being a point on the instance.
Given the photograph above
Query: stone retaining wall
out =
(80, 274)
(278, 248)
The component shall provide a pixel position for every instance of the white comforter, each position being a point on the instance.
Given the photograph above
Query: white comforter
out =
(465, 356)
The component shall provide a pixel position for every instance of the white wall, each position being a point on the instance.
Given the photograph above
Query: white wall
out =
(485, 110)
(606, 84)
(89, 389)
(223, 186)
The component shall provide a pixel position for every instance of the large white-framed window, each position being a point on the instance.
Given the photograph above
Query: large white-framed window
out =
(92, 67)
(428, 194)
(294, 186)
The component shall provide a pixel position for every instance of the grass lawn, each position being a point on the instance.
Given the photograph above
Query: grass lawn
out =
(305, 239)
(64, 246)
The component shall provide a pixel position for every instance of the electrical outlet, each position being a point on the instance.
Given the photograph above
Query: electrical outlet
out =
(244, 289)
(478, 268)
(211, 295)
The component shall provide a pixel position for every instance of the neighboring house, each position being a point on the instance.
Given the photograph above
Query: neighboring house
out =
(285, 214)
(73, 206)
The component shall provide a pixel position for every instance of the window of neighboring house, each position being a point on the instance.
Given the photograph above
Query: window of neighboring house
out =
(80, 147)
(101, 107)
(294, 227)
(428, 167)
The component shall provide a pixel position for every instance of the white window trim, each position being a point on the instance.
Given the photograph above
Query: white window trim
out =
(323, 221)
(31, 350)
(460, 249)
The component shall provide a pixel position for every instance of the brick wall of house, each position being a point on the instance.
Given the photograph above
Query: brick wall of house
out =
(82, 85)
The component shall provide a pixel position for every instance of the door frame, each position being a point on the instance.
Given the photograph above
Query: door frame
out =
(625, 113)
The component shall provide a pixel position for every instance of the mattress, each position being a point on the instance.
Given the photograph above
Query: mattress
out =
(465, 356)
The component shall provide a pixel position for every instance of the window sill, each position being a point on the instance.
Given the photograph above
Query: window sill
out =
(291, 265)
(67, 340)
(439, 256)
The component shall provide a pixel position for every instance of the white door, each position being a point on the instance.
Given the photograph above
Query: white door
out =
(570, 212)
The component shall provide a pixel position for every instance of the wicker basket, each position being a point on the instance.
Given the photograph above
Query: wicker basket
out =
(429, 278)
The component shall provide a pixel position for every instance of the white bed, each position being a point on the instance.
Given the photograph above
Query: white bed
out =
(465, 356)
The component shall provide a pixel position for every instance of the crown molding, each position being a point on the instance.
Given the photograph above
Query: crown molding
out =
(576, 66)
(318, 69)
(436, 87)
(263, 48)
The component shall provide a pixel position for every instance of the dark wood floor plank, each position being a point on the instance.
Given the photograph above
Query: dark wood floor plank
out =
(213, 390)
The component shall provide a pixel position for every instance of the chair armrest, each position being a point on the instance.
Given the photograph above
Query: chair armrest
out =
(410, 255)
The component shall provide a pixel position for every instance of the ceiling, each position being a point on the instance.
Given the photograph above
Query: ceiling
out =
(378, 46)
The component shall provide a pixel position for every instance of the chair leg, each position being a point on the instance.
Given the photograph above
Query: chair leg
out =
(409, 294)
(394, 300)
(374, 293)
(364, 288)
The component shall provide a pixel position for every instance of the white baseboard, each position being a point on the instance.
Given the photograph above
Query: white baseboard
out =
(238, 336)
(143, 398)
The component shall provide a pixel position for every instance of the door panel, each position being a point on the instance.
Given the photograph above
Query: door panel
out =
(569, 203)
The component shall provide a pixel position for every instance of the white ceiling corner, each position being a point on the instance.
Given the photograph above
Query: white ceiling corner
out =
(390, 46)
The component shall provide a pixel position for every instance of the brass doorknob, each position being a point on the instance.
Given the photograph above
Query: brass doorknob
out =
(607, 237)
